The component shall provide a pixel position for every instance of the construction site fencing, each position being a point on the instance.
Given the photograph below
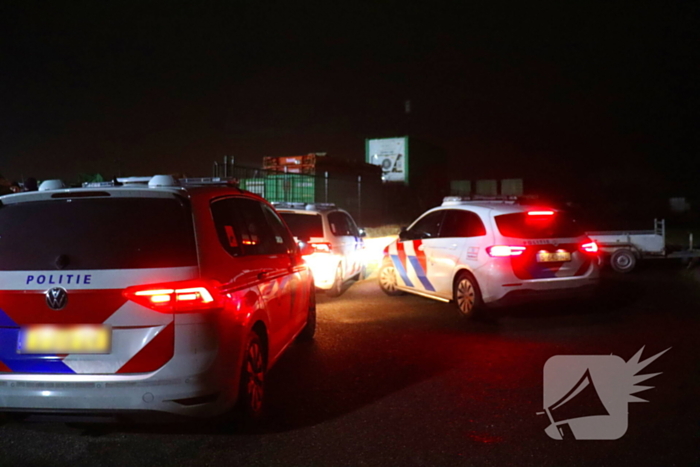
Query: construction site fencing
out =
(364, 199)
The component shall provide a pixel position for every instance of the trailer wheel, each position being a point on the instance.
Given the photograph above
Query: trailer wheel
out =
(623, 261)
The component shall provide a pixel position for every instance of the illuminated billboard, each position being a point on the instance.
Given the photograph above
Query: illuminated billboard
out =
(391, 154)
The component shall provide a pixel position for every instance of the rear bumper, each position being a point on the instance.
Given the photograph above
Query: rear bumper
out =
(499, 285)
(517, 297)
(196, 383)
(201, 395)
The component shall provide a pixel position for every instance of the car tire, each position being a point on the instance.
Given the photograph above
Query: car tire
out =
(623, 261)
(251, 395)
(387, 279)
(307, 334)
(467, 296)
(337, 287)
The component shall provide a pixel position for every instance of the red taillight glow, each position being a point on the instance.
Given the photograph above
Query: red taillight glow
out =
(504, 250)
(183, 297)
(590, 247)
(540, 213)
(321, 247)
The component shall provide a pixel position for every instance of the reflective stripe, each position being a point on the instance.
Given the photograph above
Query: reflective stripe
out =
(402, 271)
(18, 363)
(421, 273)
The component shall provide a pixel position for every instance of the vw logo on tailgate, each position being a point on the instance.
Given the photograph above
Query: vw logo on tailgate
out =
(56, 298)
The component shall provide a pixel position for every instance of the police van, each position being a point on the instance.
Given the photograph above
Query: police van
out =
(146, 295)
(331, 241)
(490, 252)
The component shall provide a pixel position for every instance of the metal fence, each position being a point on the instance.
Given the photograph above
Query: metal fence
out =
(363, 199)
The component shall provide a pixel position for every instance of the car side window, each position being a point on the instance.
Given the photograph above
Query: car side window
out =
(284, 242)
(352, 227)
(228, 226)
(426, 227)
(460, 223)
(339, 224)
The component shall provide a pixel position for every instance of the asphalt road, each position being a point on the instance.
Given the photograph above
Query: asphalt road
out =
(405, 381)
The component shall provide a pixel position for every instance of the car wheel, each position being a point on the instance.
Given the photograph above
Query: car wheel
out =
(337, 287)
(387, 279)
(623, 261)
(251, 395)
(467, 296)
(309, 330)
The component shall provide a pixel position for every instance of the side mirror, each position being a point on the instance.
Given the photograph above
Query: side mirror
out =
(304, 248)
(403, 234)
(363, 234)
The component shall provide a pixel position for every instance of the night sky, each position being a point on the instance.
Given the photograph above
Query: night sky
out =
(601, 94)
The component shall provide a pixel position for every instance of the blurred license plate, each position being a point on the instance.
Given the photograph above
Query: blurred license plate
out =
(549, 257)
(83, 339)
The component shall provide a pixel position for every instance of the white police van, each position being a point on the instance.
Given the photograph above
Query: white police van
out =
(332, 242)
(490, 252)
(146, 296)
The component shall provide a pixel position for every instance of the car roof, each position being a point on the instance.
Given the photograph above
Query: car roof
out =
(127, 187)
(485, 208)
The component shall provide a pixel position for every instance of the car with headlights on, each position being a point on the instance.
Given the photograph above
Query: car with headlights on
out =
(489, 253)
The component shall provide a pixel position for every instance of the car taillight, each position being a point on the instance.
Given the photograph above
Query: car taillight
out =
(177, 297)
(590, 247)
(321, 247)
(504, 250)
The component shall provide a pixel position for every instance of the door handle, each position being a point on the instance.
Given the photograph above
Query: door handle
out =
(265, 274)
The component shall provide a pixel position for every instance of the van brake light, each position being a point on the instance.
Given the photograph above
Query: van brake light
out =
(504, 250)
(540, 213)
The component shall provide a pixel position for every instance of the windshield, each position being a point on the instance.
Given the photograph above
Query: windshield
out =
(304, 225)
(96, 233)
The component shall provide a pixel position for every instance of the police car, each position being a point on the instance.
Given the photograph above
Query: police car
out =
(331, 241)
(488, 253)
(157, 296)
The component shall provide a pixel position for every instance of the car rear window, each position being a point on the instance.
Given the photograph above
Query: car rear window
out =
(304, 225)
(91, 233)
(522, 225)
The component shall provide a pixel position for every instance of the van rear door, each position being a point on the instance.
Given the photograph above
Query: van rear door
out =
(65, 261)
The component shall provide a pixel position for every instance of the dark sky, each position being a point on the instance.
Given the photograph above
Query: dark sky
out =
(519, 89)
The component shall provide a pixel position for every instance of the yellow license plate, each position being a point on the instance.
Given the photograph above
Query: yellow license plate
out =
(553, 257)
(82, 339)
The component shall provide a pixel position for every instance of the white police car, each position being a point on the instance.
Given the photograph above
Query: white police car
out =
(157, 296)
(490, 252)
(331, 241)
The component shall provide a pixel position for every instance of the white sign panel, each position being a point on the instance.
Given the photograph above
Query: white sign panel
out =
(391, 154)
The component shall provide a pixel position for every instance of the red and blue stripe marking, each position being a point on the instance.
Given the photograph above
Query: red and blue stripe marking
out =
(418, 262)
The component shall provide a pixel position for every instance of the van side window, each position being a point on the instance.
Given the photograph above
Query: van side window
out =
(245, 228)
(284, 242)
(227, 224)
(339, 224)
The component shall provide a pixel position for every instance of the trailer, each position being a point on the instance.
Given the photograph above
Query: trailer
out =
(624, 249)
